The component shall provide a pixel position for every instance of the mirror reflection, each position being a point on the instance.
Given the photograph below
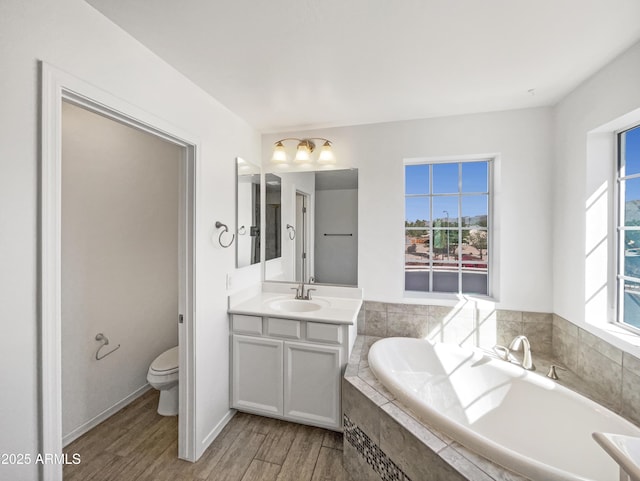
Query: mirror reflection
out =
(273, 217)
(318, 231)
(247, 213)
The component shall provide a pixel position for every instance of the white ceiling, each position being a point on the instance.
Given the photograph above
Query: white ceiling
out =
(294, 64)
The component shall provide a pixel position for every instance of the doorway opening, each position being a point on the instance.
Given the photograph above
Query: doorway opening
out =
(303, 272)
(119, 263)
(58, 89)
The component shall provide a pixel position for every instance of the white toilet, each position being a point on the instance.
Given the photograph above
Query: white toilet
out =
(163, 376)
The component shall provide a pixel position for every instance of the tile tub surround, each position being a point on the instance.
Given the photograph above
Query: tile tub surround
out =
(422, 453)
(469, 323)
(387, 442)
(609, 375)
(597, 369)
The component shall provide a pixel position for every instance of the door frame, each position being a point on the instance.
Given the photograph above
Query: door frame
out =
(56, 86)
(303, 224)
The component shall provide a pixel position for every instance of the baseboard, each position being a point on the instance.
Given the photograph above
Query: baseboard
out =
(206, 442)
(92, 423)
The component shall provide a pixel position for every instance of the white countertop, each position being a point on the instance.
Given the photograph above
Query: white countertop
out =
(341, 310)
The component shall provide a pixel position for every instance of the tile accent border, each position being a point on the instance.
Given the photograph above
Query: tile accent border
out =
(371, 452)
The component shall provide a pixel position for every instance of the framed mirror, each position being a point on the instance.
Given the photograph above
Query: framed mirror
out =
(247, 213)
(318, 228)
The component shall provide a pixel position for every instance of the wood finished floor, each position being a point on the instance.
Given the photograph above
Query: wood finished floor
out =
(137, 444)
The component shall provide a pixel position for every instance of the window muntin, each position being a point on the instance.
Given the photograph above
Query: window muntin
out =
(628, 272)
(447, 227)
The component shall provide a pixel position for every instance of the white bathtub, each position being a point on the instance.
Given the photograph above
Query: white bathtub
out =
(518, 419)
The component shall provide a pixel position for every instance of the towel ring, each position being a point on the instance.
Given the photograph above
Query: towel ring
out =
(105, 340)
(292, 231)
(220, 225)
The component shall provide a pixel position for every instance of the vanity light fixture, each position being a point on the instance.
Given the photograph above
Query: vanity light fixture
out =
(303, 151)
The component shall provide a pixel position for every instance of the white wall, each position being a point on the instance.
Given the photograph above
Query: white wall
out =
(583, 184)
(72, 36)
(523, 196)
(119, 260)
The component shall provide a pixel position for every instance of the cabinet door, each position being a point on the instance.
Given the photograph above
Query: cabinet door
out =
(312, 384)
(257, 380)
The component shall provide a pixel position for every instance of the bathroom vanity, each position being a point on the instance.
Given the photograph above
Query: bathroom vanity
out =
(288, 355)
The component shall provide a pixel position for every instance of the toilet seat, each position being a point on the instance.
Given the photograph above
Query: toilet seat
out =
(166, 363)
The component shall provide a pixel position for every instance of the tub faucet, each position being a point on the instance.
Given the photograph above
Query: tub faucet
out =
(527, 362)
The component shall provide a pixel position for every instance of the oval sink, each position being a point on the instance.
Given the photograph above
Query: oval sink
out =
(298, 305)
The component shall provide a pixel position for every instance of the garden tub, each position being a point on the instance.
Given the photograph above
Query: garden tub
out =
(516, 418)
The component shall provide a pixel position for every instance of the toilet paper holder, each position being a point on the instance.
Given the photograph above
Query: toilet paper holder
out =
(105, 341)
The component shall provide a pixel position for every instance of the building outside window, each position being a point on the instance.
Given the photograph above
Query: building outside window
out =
(628, 272)
(447, 227)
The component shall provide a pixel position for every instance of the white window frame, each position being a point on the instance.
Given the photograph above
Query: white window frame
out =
(491, 161)
(621, 229)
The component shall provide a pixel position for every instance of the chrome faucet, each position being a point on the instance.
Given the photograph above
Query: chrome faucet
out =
(299, 291)
(518, 341)
(300, 295)
(552, 374)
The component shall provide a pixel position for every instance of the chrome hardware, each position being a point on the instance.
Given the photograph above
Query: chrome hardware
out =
(291, 231)
(505, 353)
(502, 352)
(300, 293)
(552, 374)
(105, 340)
(527, 362)
(220, 225)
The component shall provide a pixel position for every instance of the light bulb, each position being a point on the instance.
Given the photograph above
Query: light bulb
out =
(303, 154)
(279, 154)
(326, 154)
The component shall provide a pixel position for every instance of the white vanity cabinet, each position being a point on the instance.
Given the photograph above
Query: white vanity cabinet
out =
(312, 383)
(287, 368)
(257, 374)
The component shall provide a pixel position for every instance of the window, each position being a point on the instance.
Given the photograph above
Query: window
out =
(447, 206)
(628, 273)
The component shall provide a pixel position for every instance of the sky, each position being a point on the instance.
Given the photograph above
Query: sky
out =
(445, 181)
(632, 163)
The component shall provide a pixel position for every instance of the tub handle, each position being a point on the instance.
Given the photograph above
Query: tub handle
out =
(502, 352)
(552, 374)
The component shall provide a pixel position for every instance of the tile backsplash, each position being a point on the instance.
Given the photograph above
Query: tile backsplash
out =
(612, 375)
(468, 323)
